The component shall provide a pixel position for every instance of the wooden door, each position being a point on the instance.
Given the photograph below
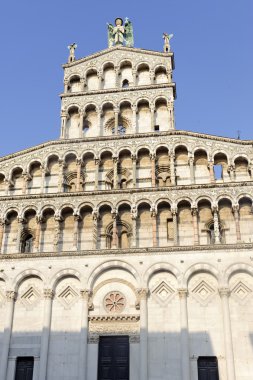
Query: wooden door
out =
(24, 368)
(208, 368)
(113, 358)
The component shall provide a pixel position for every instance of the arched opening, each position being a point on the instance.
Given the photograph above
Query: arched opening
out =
(10, 233)
(163, 174)
(17, 182)
(88, 169)
(205, 222)
(109, 76)
(125, 83)
(161, 75)
(181, 166)
(143, 75)
(143, 168)
(126, 73)
(242, 169)
(74, 84)
(27, 244)
(221, 167)
(226, 222)
(92, 81)
(143, 119)
(201, 167)
(35, 172)
(165, 229)
(124, 226)
(161, 115)
(125, 169)
(52, 177)
(105, 234)
(107, 172)
(246, 219)
(48, 230)
(144, 226)
(72, 124)
(86, 228)
(185, 224)
(2, 184)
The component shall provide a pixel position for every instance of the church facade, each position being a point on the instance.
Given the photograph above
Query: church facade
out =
(126, 245)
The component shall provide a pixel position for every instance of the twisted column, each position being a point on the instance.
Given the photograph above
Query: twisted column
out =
(114, 231)
(57, 232)
(95, 228)
(115, 172)
(224, 294)
(76, 231)
(10, 298)
(216, 225)
(133, 118)
(39, 220)
(48, 297)
(184, 335)
(154, 226)
(78, 174)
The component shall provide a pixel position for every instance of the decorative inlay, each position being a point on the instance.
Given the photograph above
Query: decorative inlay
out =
(114, 302)
(68, 297)
(30, 298)
(163, 293)
(241, 292)
(203, 292)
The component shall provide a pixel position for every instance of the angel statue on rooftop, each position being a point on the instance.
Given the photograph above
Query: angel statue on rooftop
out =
(120, 33)
(167, 37)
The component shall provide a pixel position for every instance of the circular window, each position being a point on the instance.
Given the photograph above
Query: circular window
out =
(114, 302)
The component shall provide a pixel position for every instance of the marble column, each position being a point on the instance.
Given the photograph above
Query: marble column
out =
(7, 186)
(44, 345)
(152, 76)
(154, 226)
(82, 84)
(97, 164)
(134, 108)
(152, 116)
(191, 164)
(100, 130)
(236, 209)
(10, 298)
(134, 159)
(184, 336)
(134, 77)
(76, 231)
(25, 182)
(85, 294)
(195, 225)
(37, 233)
(115, 172)
(175, 226)
(171, 115)
(57, 232)
(134, 217)
(228, 341)
(116, 70)
(116, 120)
(63, 125)
(231, 171)
(216, 225)
(95, 218)
(2, 228)
(114, 231)
(143, 365)
(100, 80)
(172, 169)
(61, 176)
(78, 174)
(43, 175)
(211, 172)
(21, 222)
(81, 116)
(153, 174)
(66, 82)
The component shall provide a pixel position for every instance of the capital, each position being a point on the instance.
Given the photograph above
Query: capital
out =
(48, 293)
(10, 295)
(224, 292)
(142, 293)
(182, 292)
(194, 211)
(85, 294)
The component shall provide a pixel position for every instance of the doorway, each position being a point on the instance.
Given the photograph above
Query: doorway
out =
(113, 358)
(208, 368)
(24, 368)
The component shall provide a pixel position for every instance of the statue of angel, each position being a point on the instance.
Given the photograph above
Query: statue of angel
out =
(72, 48)
(167, 37)
(120, 33)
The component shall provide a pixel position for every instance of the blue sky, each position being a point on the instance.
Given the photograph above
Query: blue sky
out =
(213, 54)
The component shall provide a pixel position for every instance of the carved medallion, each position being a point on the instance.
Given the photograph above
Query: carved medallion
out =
(114, 302)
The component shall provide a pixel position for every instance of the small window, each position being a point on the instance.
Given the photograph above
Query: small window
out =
(24, 368)
(218, 171)
(125, 83)
(27, 244)
(208, 368)
(157, 128)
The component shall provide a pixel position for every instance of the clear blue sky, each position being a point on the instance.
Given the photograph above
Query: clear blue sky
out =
(213, 54)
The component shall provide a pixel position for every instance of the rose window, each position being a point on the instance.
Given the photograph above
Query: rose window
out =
(114, 302)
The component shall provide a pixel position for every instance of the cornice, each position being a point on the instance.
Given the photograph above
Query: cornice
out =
(131, 191)
(119, 48)
(120, 90)
(129, 137)
(171, 250)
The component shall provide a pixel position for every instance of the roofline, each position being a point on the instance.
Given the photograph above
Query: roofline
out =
(125, 137)
(104, 51)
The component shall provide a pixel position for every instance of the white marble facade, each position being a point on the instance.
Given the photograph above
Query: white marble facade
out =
(124, 206)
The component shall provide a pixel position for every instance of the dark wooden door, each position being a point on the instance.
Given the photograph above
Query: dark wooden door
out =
(113, 358)
(208, 368)
(24, 368)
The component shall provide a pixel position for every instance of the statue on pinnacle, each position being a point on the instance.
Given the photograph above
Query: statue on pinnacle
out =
(120, 33)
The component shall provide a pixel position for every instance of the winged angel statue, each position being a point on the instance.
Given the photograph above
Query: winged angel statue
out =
(120, 33)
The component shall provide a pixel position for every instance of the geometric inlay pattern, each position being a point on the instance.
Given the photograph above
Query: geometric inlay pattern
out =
(68, 296)
(241, 292)
(203, 292)
(163, 293)
(30, 297)
(114, 302)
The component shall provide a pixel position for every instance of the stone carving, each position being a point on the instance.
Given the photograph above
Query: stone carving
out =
(72, 48)
(167, 37)
(114, 302)
(119, 33)
(203, 292)
(30, 297)
(163, 293)
(241, 292)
